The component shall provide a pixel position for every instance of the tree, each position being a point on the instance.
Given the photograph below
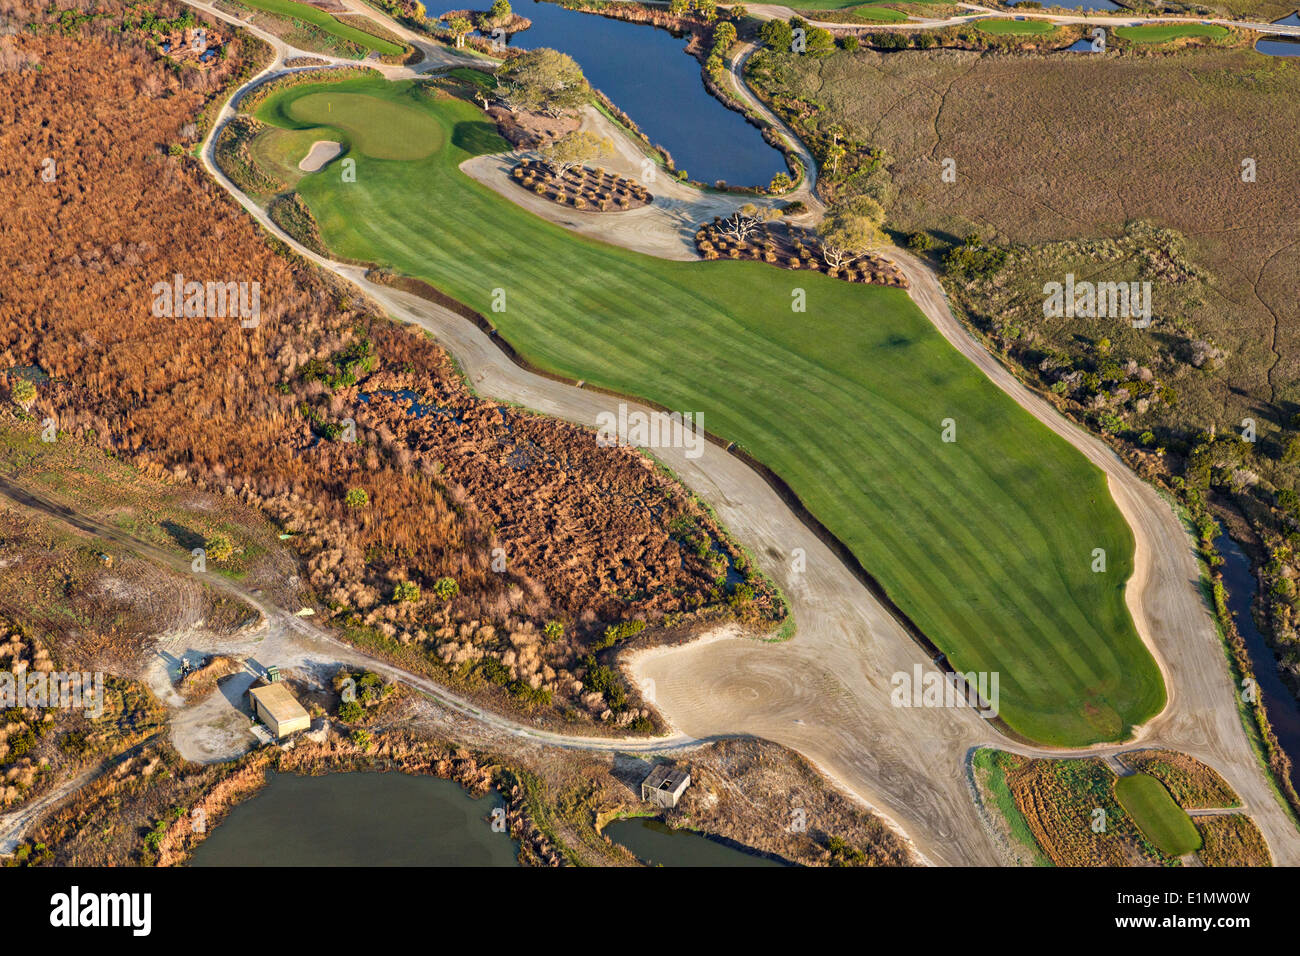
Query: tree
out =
(707, 9)
(446, 588)
(740, 225)
(543, 81)
(724, 35)
(500, 11)
(780, 183)
(738, 13)
(219, 547)
(834, 153)
(776, 35)
(553, 631)
(460, 28)
(574, 149)
(679, 8)
(406, 591)
(849, 230)
(819, 42)
(23, 392)
(356, 498)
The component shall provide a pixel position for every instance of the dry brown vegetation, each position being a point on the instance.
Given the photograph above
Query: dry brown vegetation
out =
(1059, 800)
(1231, 840)
(769, 799)
(581, 187)
(792, 247)
(590, 536)
(1192, 784)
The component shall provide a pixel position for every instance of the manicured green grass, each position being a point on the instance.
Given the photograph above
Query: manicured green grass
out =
(1162, 821)
(985, 542)
(1000, 27)
(278, 151)
(879, 13)
(1162, 33)
(301, 11)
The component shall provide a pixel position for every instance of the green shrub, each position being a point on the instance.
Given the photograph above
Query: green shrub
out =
(446, 588)
(350, 712)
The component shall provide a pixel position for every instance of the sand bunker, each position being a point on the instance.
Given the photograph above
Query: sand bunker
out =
(321, 152)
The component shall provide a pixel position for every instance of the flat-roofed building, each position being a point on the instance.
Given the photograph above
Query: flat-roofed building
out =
(665, 785)
(278, 709)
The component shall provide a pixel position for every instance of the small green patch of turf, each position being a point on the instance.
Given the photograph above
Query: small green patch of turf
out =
(1162, 821)
(1000, 27)
(1164, 32)
(878, 13)
(301, 11)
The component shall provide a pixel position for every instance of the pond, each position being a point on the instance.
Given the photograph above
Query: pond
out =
(359, 819)
(656, 843)
(646, 73)
(1279, 47)
(1283, 712)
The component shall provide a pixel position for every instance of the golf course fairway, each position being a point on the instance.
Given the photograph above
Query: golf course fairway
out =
(986, 542)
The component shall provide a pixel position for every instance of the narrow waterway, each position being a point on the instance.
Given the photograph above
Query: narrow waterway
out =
(646, 73)
(1283, 712)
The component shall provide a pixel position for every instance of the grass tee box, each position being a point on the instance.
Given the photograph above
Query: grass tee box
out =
(1163, 822)
(309, 14)
(1162, 33)
(999, 27)
(986, 542)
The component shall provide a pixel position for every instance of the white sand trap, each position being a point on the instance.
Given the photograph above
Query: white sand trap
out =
(321, 152)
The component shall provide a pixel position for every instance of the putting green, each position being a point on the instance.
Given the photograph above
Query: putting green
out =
(378, 128)
(1163, 821)
(986, 542)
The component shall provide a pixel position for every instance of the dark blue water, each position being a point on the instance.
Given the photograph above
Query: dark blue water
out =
(1291, 21)
(659, 845)
(1280, 47)
(1283, 712)
(1080, 46)
(647, 74)
(358, 819)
